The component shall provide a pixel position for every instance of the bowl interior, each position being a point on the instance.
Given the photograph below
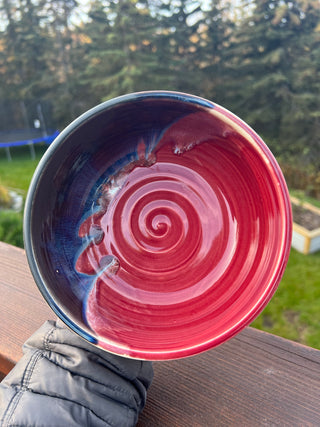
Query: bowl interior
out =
(157, 225)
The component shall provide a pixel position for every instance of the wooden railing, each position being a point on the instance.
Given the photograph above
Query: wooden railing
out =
(253, 379)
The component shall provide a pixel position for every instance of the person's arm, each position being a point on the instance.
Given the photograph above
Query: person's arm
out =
(64, 381)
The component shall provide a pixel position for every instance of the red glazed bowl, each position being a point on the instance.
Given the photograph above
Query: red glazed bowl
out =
(158, 225)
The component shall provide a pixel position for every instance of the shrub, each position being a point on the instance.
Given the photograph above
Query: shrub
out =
(11, 228)
(5, 199)
(302, 178)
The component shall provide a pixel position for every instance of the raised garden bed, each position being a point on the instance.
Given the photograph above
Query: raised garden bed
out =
(306, 227)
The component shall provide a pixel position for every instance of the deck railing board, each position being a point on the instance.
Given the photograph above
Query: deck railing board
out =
(254, 379)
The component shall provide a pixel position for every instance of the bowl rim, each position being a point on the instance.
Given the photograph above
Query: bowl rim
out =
(279, 267)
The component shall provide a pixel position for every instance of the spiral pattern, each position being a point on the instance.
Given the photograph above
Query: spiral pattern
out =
(180, 248)
(158, 217)
(167, 228)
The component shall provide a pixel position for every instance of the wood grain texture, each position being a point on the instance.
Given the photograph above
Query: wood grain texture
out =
(22, 308)
(255, 379)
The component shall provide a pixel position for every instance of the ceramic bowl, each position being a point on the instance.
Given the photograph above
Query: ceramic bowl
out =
(157, 225)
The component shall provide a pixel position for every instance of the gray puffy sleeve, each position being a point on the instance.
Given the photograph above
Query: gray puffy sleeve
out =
(64, 381)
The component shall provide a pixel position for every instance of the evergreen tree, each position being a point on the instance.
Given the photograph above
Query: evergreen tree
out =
(217, 31)
(300, 124)
(259, 58)
(179, 45)
(89, 57)
(258, 54)
(24, 43)
(62, 77)
(121, 53)
(272, 53)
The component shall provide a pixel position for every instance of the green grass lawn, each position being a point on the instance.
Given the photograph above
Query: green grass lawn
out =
(294, 311)
(17, 173)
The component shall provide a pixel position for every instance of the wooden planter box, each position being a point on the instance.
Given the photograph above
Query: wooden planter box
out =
(304, 240)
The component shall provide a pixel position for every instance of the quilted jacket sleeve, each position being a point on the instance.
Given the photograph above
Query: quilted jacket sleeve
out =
(64, 381)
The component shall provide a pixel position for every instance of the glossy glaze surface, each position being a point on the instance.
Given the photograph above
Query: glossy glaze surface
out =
(179, 241)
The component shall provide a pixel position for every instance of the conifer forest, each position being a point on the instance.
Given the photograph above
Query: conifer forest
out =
(258, 58)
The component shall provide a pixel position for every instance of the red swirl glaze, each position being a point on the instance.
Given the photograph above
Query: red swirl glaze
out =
(178, 242)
